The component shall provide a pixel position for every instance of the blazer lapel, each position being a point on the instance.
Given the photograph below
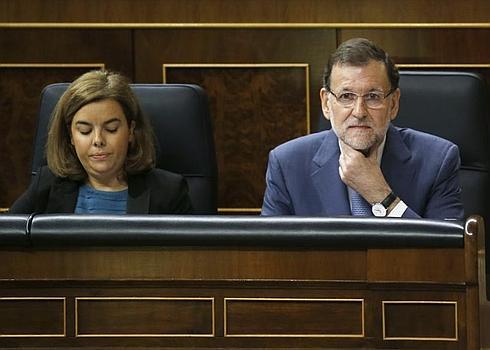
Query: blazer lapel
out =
(62, 197)
(395, 164)
(138, 195)
(326, 179)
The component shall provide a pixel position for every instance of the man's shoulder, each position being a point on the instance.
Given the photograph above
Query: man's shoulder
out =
(417, 138)
(304, 144)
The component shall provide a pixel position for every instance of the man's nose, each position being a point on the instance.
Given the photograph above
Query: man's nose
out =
(359, 109)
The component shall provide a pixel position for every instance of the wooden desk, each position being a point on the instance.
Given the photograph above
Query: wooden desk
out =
(241, 296)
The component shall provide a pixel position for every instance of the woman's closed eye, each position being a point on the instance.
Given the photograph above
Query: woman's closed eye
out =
(84, 130)
(112, 126)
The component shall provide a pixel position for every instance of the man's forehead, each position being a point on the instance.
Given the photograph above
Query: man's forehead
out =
(371, 71)
(375, 63)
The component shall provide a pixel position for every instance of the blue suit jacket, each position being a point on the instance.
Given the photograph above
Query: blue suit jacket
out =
(422, 169)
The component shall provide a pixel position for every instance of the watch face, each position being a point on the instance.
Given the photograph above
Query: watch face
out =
(378, 210)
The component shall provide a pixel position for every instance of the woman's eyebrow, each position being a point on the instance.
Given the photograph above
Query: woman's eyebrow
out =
(82, 122)
(112, 120)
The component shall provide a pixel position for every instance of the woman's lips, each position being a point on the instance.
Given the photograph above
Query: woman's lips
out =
(99, 156)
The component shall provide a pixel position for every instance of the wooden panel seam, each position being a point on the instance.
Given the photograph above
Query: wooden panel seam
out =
(253, 25)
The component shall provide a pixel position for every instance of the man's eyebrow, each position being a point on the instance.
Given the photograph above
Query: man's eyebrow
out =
(348, 89)
(345, 88)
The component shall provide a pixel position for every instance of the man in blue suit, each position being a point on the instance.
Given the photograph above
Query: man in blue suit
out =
(364, 165)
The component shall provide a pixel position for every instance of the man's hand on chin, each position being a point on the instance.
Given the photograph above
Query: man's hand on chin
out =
(362, 173)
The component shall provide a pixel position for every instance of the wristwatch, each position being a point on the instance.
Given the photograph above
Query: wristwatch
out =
(379, 209)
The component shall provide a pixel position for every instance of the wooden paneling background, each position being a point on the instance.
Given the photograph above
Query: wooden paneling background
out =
(254, 107)
(45, 41)
(231, 11)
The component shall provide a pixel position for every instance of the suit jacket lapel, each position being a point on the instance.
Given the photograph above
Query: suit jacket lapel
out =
(138, 195)
(395, 164)
(326, 179)
(62, 197)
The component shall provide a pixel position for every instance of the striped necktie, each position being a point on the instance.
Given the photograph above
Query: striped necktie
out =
(359, 206)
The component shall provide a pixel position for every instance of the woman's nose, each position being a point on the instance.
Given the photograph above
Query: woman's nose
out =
(98, 140)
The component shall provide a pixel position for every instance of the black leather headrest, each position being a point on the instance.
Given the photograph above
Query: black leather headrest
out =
(452, 105)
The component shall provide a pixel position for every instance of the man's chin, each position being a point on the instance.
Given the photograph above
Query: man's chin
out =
(361, 146)
(364, 148)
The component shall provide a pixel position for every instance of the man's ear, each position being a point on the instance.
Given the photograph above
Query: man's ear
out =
(395, 104)
(325, 103)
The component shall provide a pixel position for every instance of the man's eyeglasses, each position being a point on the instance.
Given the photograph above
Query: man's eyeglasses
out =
(373, 99)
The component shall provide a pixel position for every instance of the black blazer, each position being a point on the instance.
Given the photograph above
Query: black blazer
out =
(154, 192)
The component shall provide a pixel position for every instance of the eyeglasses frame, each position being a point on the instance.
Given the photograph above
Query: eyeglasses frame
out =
(392, 90)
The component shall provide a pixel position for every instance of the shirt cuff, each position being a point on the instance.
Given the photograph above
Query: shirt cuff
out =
(398, 210)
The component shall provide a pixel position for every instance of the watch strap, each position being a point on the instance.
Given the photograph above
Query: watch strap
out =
(390, 198)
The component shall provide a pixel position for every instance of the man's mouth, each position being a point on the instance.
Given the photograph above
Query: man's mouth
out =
(360, 127)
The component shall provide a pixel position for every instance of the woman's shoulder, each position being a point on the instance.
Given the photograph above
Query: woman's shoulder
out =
(37, 195)
(45, 174)
(157, 174)
(46, 178)
(157, 179)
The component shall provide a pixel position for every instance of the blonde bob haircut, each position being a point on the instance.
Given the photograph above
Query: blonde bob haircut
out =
(90, 87)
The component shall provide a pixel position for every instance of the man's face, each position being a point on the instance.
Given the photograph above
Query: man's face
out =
(360, 124)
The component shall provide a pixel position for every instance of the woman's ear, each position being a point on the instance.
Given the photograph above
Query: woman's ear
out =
(131, 131)
(70, 134)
